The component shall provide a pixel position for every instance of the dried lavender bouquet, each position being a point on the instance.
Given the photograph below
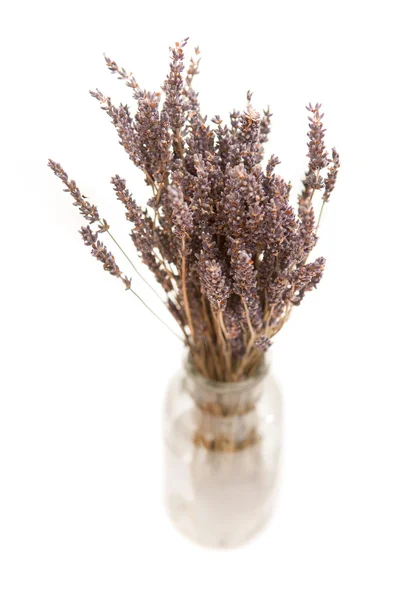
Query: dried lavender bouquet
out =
(219, 233)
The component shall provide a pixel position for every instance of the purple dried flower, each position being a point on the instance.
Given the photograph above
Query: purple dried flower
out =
(100, 252)
(122, 74)
(316, 146)
(213, 282)
(219, 232)
(330, 180)
(262, 343)
(87, 210)
(181, 215)
(89, 236)
(245, 284)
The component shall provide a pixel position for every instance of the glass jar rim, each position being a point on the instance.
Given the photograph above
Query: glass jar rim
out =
(226, 386)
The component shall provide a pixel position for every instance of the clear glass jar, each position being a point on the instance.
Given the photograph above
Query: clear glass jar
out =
(222, 450)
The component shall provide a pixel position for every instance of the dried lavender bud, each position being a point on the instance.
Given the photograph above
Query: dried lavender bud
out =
(305, 278)
(122, 122)
(265, 126)
(316, 146)
(127, 282)
(213, 282)
(181, 214)
(330, 180)
(318, 160)
(122, 74)
(276, 289)
(89, 236)
(249, 136)
(89, 211)
(133, 212)
(202, 205)
(262, 343)
(147, 125)
(245, 284)
(307, 230)
(142, 232)
(272, 163)
(188, 91)
(103, 226)
(314, 182)
(100, 252)
(232, 205)
(174, 104)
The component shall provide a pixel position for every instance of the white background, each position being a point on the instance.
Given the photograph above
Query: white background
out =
(84, 367)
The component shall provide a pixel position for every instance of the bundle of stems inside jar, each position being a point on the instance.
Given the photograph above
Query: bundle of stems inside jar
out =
(219, 234)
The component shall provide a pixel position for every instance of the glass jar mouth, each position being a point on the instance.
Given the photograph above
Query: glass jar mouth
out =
(224, 399)
(225, 387)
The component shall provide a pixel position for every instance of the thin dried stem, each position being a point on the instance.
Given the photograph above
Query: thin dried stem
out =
(135, 268)
(184, 291)
(156, 315)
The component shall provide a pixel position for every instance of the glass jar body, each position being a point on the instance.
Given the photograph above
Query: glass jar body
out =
(222, 455)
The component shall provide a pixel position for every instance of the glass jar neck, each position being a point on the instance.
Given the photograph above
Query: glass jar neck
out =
(224, 399)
